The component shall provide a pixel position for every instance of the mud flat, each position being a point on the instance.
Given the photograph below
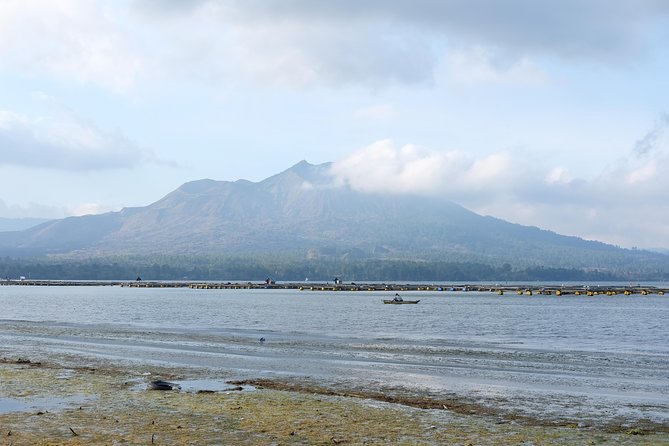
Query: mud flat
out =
(44, 401)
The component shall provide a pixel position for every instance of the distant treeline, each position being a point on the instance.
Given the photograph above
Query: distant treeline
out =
(194, 268)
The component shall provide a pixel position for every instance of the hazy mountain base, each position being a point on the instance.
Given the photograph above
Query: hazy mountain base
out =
(286, 269)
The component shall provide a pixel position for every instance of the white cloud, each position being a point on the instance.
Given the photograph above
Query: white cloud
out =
(34, 210)
(64, 141)
(88, 209)
(558, 175)
(647, 172)
(383, 167)
(69, 40)
(488, 170)
(624, 203)
(303, 42)
(30, 210)
(294, 52)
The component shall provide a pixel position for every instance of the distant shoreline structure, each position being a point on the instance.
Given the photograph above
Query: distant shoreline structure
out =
(545, 289)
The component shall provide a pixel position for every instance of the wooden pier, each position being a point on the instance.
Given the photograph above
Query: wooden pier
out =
(506, 289)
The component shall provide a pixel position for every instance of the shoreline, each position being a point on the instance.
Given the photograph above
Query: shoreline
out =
(285, 368)
(527, 289)
(455, 405)
(494, 384)
(102, 403)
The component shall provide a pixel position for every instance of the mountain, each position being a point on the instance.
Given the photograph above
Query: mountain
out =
(301, 214)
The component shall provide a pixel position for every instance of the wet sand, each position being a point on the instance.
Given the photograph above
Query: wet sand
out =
(49, 401)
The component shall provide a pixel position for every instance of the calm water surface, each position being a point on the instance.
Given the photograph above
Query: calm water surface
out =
(596, 358)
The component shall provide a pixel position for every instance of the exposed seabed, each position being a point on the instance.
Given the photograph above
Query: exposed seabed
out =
(56, 401)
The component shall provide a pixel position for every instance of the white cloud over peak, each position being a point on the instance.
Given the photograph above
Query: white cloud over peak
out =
(410, 169)
(621, 204)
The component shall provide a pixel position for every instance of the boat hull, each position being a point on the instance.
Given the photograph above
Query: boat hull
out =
(400, 302)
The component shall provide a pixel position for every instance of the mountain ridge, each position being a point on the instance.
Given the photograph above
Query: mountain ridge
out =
(301, 213)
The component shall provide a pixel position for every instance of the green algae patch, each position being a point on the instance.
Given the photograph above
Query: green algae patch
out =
(113, 407)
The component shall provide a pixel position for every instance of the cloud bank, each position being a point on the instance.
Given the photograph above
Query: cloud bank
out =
(70, 40)
(311, 42)
(34, 210)
(303, 42)
(63, 142)
(410, 169)
(624, 203)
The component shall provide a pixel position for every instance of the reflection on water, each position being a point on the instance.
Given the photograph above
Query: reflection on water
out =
(8, 405)
(41, 404)
(553, 356)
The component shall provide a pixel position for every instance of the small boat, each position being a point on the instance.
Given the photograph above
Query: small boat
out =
(400, 302)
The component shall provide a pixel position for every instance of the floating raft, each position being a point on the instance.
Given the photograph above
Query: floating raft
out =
(507, 289)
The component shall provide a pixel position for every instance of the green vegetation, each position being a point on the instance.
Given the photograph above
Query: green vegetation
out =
(287, 269)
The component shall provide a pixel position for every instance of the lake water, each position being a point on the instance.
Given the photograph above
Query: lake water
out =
(599, 359)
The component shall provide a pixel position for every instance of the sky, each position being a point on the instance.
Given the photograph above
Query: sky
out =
(549, 113)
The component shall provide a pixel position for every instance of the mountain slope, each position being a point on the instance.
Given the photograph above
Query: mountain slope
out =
(300, 213)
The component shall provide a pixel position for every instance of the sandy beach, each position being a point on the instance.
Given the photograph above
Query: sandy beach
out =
(54, 402)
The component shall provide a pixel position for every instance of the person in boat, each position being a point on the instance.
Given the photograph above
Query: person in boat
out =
(397, 298)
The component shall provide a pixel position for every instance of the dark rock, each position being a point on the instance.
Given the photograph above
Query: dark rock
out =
(159, 384)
